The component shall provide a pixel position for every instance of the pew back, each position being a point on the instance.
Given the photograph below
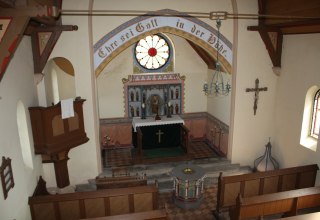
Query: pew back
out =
(252, 184)
(120, 182)
(148, 215)
(288, 202)
(94, 203)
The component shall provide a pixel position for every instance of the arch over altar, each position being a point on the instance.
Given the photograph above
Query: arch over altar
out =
(193, 29)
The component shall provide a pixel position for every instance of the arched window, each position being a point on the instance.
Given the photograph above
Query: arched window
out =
(24, 135)
(315, 122)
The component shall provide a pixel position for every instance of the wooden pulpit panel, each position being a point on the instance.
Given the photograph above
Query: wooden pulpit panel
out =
(52, 134)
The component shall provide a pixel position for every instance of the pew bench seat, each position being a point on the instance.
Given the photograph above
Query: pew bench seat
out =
(310, 216)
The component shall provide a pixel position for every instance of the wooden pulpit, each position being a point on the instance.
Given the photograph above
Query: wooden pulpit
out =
(54, 137)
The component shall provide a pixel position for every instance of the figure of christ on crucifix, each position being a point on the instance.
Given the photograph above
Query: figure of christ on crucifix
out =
(159, 133)
(256, 91)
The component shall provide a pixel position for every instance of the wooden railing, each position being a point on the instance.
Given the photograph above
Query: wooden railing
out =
(120, 182)
(260, 183)
(93, 204)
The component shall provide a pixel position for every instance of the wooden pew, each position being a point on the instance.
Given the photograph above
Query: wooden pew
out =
(310, 216)
(120, 182)
(260, 183)
(93, 204)
(288, 203)
(148, 215)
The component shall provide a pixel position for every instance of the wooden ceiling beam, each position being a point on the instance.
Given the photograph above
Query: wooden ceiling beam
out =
(43, 41)
(13, 24)
(272, 38)
(271, 30)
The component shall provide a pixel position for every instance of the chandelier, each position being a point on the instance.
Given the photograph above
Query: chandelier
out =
(217, 85)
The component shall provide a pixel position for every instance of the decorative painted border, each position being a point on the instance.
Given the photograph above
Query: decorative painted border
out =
(190, 28)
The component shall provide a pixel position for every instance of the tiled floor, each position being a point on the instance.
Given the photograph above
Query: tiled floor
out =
(123, 156)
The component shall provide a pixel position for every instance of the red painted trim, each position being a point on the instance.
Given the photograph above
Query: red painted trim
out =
(13, 45)
(4, 65)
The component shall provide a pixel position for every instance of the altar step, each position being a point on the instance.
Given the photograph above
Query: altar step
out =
(162, 172)
(212, 168)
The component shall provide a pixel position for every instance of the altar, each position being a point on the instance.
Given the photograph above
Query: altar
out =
(167, 133)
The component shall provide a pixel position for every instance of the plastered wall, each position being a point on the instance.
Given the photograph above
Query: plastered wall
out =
(17, 85)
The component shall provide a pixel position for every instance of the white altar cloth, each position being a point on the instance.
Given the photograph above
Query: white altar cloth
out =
(138, 122)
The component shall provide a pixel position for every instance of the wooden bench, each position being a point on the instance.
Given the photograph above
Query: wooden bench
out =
(93, 204)
(148, 215)
(120, 182)
(288, 203)
(310, 216)
(260, 183)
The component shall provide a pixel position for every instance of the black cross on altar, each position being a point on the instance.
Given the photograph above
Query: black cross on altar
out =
(159, 133)
(256, 91)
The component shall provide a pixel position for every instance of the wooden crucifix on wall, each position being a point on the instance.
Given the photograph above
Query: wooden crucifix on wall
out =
(256, 91)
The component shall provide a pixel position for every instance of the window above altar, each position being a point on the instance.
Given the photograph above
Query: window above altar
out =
(154, 53)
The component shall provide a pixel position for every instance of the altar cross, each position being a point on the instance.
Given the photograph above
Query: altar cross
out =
(256, 91)
(159, 133)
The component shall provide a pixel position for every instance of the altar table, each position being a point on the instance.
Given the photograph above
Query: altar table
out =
(164, 133)
(138, 122)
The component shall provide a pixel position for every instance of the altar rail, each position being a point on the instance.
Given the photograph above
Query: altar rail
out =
(260, 183)
(120, 181)
(93, 204)
(287, 203)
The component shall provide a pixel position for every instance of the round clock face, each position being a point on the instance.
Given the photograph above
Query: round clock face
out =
(152, 52)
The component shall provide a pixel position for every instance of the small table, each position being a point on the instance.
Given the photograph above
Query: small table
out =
(188, 182)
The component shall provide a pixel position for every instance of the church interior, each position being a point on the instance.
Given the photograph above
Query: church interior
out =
(159, 110)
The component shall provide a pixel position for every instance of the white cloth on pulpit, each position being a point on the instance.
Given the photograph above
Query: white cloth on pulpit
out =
(67, 110)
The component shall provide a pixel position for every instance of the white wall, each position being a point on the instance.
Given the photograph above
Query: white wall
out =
(251, 132)
(300, 71)
(17, 84)
(85, 159)
(220, 105)
(66, 84)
